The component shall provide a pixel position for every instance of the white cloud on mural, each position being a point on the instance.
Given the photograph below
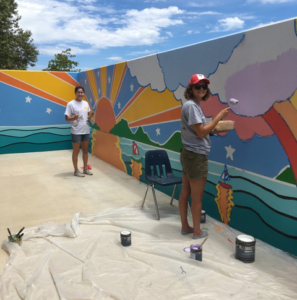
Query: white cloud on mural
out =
(261, 52)
(97, 27)
(179, 94)
(147, 71)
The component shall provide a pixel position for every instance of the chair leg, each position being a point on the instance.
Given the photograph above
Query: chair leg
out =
(145, 195)
(174, 189)
(156, 204)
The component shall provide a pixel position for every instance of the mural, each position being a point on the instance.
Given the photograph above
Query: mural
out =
(252, 170)
(32, 107)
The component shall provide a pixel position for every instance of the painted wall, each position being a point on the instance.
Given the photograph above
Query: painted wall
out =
(252, 169)
(32, 106)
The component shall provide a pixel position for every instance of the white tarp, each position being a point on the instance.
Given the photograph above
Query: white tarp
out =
(85, 260)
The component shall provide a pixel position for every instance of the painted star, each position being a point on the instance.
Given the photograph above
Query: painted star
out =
(119, 105)
(85, 81)
(109, 79)
(98, 73)
(230, 152)
(28, 99)
(48, 110)
(131, 87)
(158, 131)
(91, 100)
(99, 91)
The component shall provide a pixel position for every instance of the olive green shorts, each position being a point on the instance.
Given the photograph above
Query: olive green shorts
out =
(194, 165)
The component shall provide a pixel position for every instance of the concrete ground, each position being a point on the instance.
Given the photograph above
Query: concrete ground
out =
(39, 187)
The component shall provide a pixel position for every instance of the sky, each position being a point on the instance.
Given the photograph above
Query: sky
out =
(102, 33)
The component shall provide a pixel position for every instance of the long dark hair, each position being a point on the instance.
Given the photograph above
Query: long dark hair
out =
(188, 94)
(78, 88)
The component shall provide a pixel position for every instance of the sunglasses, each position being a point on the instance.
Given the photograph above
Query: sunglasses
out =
(198, 86)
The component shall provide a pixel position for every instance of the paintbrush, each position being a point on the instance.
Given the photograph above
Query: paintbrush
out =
(17, 235)
(203, 241)
(9, 233)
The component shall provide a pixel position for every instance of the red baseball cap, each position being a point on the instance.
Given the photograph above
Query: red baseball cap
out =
(196, 78)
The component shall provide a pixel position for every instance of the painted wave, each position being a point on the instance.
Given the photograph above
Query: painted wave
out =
(258, 200)
(34, 139)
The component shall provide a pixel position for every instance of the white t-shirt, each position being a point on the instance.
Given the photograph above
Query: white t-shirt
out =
(81, 108)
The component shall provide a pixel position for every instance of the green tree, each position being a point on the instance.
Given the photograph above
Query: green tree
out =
(16, 45)
(62, 62)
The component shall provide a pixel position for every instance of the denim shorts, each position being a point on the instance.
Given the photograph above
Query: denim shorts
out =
(194, 165)
(77, 138)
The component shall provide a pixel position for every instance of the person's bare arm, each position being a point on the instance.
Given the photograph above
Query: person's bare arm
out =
(75, 117)
(90, 114)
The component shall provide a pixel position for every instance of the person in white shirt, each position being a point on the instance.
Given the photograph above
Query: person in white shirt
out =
(78, 112)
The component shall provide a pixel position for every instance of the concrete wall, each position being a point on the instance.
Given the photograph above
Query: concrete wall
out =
(138, 104)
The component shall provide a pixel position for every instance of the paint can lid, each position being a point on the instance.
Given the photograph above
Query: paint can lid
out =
(195, 248)
(246, 238)
(126, 232)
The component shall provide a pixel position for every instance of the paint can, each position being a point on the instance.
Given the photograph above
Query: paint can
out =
(245, 248)
(203, 216)
(196, 252)
(126, 238)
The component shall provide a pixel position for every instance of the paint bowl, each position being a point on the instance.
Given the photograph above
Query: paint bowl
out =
(196, 252)
(245, 248)
(126, 238)
(203, 216)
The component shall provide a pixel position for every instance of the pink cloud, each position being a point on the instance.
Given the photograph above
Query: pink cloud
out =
(246, 127)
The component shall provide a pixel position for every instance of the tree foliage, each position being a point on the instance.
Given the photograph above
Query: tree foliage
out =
(63, 62)
(16, 45)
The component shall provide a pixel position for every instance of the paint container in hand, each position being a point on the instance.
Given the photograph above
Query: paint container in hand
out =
(245, 248)
(126, 238)
(196, 252)
(203, 216)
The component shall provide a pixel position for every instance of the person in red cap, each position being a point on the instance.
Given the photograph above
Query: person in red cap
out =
(194, 155)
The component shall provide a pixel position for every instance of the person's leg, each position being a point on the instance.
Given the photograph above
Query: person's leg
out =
(85, 148)
(76, 147)
(197, 190)
(183, 203)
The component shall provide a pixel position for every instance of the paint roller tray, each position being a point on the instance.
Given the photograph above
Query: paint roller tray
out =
(225, 125)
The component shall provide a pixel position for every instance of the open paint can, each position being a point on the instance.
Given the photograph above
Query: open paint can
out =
(126, 238)
(245, 248)
(196, 252)
(203, 216)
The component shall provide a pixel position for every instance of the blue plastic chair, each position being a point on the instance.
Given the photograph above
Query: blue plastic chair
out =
(158, 171)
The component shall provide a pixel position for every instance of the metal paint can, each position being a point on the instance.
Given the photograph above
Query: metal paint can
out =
(245, 248)
(196, 252)
(126, 238)
(203, 216)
